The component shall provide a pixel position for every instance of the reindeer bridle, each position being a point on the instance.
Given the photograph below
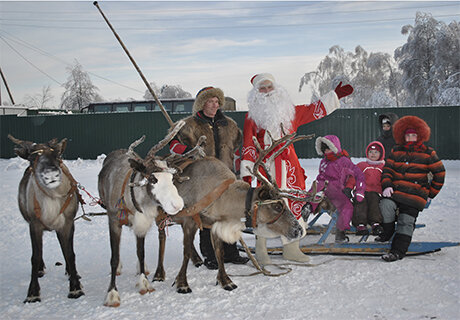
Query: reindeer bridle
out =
(252, 209)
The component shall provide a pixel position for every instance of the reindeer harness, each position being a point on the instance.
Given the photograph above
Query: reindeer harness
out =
(70, 194)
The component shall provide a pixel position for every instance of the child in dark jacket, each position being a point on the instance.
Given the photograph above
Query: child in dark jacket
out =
(336, 167)
(368, 211)
(412, 175)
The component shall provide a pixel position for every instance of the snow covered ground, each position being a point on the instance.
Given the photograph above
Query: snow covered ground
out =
(420, 287)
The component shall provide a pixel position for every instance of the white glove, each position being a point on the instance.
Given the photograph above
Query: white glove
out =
(387, 192)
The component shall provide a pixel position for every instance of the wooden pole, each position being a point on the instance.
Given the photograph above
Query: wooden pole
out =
(7, 88)
(162, 108)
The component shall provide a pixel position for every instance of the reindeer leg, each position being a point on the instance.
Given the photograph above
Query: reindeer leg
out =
(222, 276)
(160, 274)
(113, 297)
(196, 259)
(36, 237)
(65, 238)
(181, 279)
(143, 283)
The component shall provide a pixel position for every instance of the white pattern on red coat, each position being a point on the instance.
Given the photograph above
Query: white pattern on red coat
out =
(294, 176)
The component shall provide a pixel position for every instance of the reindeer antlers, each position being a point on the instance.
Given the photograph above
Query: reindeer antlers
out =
(179, 124)
(270, 182)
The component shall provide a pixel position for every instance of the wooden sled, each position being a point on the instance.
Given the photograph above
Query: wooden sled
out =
(358, 248)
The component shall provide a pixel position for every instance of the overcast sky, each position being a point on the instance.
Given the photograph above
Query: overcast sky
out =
(192, 44)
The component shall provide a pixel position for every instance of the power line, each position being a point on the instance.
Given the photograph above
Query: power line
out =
(137, 19)
(18, 53)
(297, 25)
(32, 47)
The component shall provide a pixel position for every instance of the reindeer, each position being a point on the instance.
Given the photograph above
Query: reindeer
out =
(263, 208)
(48, 200)
(131, 189)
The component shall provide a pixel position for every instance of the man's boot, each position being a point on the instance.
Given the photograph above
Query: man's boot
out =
(388, 230)
(261, 251)
(291, 251)
(231, 254)
(207, 249)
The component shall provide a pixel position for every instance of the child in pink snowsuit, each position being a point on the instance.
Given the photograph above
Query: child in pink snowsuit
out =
(336, 167)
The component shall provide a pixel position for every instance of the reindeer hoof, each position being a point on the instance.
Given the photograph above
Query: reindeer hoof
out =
(112, 299)
(184, 290)
(41, 273)
(230, 286)
(33, 299)
(198, 264)
(75, 294)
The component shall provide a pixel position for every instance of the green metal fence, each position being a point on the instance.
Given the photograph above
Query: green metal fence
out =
(90, 135)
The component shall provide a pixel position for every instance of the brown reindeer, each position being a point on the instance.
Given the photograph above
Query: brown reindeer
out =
(132, 189)
(263, 208)
(48, 200)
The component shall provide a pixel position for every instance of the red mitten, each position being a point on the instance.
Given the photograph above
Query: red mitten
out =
(343, 91)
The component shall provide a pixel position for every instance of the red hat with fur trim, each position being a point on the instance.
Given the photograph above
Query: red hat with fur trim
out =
(415, 125)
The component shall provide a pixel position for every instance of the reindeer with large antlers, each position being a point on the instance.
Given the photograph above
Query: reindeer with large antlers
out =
(132, 189)
(226, 205)
(48, 200)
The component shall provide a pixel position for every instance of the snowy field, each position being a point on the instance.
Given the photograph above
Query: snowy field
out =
(420, 287)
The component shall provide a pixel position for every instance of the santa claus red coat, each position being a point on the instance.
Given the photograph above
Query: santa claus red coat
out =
(286, 167)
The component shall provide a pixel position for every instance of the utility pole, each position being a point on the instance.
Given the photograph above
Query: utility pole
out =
(7, 88)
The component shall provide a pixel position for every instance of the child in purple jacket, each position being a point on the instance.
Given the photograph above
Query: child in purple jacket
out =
(336, 167)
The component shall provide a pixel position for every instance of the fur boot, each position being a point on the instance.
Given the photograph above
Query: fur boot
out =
(291, 251)
(261, 251)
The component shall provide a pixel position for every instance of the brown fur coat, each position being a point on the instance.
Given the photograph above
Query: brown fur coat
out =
(223, 137)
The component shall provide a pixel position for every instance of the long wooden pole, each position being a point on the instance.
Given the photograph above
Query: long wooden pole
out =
(162, 108)
(6, 86)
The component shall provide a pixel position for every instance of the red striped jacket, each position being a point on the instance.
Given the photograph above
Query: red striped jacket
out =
(407, 170)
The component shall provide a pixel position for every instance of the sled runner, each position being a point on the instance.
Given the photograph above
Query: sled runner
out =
(355, 248)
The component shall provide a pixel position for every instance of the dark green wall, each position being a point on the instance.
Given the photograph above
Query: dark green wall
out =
(90, 135)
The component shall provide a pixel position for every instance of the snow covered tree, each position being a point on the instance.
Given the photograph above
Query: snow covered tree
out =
(79, 90)
(39, 100)
(167, 92)
(429, 59)
(374, 77)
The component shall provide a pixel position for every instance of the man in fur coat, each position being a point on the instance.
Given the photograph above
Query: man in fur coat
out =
(223, 139)
(412, 175)
(269, 107)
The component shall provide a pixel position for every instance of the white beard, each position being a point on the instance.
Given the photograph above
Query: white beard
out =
(270, 110)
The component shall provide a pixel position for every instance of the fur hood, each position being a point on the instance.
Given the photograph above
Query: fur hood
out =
(411, 122)
(204, 94)
(331, 141)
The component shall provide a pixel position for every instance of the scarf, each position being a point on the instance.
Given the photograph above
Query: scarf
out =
(416, 146)
(334, 156)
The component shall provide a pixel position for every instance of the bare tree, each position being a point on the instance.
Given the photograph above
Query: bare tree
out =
(39, 100)
(80, 91)
(167, 92)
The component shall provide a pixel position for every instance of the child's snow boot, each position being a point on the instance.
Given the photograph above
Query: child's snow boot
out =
(361, 230)
(377, 229)
(340, 236)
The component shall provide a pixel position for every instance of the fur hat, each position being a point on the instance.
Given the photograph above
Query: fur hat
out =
(204, 94)
(259, 78)
(411, 122)
(332, 142)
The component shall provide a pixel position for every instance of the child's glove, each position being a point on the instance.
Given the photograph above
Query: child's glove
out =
(359, 198)
(387, 192)
(428, 202)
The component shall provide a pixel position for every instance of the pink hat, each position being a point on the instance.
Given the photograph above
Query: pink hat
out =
(259, 78)
(410, 130)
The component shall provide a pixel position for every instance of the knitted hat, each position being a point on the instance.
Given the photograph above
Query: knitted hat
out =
(410, 130)
(386, 120)
(376, 145)
(204, 94)
(259, 78)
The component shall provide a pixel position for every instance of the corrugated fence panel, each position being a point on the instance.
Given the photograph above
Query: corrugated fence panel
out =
(90, 135)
